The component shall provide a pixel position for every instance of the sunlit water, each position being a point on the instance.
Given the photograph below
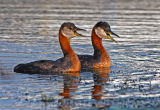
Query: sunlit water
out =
(29, 32)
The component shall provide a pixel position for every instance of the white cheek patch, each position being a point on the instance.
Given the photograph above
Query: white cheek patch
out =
(67, 32)
(100, 32)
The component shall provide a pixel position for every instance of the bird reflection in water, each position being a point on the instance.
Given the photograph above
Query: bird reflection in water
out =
(100, 77)
(71, 82)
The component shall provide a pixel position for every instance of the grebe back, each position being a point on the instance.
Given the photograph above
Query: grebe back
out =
(69, 63)
(100, 58)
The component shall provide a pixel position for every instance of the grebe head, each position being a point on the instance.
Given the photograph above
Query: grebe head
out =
(103, 30)
(69, 30)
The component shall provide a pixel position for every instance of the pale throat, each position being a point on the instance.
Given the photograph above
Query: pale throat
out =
(99, 50)
(68, 52)
(65, 45)
(67, 33)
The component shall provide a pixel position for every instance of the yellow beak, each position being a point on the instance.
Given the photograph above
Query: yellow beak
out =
(77, 34)
(109, 37)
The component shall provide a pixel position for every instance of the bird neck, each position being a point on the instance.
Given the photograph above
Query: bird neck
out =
(69, 52)
(65, 45)
(99, 51)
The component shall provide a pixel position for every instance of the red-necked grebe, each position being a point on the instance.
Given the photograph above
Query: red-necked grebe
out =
(69, 63)
(100, 58)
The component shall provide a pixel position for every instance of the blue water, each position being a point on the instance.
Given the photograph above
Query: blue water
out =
(29, 32)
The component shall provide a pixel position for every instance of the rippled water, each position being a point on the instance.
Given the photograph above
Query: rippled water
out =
(29, 32)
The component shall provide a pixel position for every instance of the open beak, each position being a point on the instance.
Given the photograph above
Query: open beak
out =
(76, 33)
(114, 34)
(79, 29)
(109, 37)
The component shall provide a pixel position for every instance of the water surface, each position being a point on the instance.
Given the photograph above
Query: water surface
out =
(29, 32)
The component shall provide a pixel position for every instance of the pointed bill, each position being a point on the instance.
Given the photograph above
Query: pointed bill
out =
(109, 37)
(78, 29)
(77, 34)
(114, 34)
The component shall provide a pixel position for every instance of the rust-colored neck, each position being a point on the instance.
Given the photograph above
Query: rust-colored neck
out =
(69, 52)
(99, 51)
(65, 45)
